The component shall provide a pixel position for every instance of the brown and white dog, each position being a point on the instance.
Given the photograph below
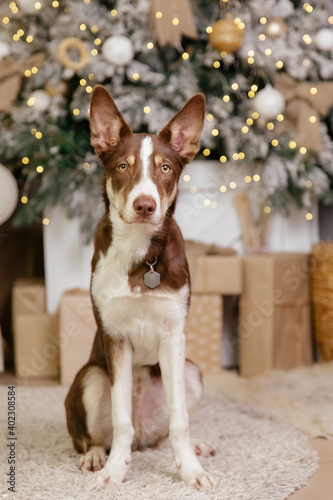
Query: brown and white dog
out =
(137, 387)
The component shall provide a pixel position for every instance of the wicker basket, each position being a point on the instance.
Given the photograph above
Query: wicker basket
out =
(322, 295)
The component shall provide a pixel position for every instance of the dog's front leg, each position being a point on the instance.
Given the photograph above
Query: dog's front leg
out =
(172, 363)
(119, 360)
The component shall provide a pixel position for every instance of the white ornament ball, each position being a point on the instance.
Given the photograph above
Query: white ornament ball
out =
(4, 50)
(324, 39)
(42, 100)
(268, 102)
(27, 6)
(8, 194)
(118, 50)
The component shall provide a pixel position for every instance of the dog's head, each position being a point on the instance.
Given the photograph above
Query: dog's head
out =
(141, 170)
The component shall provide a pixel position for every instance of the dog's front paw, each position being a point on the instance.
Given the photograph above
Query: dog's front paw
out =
(197, 478)
(203, 448)
(112, 473)
(94, 459)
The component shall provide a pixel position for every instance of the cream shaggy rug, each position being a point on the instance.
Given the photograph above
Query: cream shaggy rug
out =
(302, 397)
(257, 457)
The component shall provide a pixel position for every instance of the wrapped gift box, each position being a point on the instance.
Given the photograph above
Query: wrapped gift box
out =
(28, 297)
(275, 319)
(203, 330)
(77, 328)
(36, 343)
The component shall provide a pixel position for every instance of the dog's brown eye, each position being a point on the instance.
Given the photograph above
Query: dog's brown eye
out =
(122, 167)
(165, 169)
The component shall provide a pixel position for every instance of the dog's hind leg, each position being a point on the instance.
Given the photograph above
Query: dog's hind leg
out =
(88, 410)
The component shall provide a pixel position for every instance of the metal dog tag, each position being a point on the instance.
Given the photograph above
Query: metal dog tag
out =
(151, 279)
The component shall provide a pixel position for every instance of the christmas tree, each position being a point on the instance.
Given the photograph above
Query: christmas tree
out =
(265, 67)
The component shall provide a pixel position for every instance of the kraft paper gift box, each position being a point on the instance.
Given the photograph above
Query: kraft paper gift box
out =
(36, 345)
(203, 330)
(275, 318)
(28, 297)
(77, 328)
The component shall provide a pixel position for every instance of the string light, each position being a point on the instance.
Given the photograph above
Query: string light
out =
(223, 189)
(241, 155)
(223, 54)
(232, 185)
(83, 82)
(312, 119)
(256, 177)
(86, 1)
(306, 62)
(235, 156)
(55, 4)
(91, 76)
(114, 12)
(263, 20)
(213, 204)
(186, 178)
(24, 199)
(234, 86)
(313, 90)
(250, 60)
(5, 20)
(76, 111)
(209, 29)
(193, 189)
(245, 129)
(86, 165)
(280, 118)
(255, 115)
(292, 144)
(94, 52)
(330, 19)
(275, 142)
(247, 179)
(223, 159)
(33, 131)
(175, 21)
(185, 56)
(226, 98)
(307, 39)
(249, 121)
(279, 64)
(46, 221)
(267, 209)
(262, 37)
(38, 135)
(215, 132)
(136, 76)
(216, 64)
(210, 117)
(309, 216)
(83, 27)
(40, 169)
(302, 150)
(270, 126)
(159, 14)
(31, 101)
(89, 89)
(146, 110)
(150, 45)
(251, 94)
(207, 202)
(25, 160)
(94, 29)
(206, 152)
(29, 39)
(38, 5)
(308, 184)
(97, 41)
(254, 88)
(268, 52)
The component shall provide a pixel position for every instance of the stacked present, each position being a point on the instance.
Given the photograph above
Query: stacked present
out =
(36, 345)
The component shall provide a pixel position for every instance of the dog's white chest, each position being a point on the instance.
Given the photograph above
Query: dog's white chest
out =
(142, 318)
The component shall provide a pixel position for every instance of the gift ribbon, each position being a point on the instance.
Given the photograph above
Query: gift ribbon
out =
(301, 104)
(169, 20)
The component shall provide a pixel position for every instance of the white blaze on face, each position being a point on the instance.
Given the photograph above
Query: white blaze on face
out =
(145, 185)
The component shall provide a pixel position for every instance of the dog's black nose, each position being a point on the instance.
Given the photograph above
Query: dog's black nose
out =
(144, 205)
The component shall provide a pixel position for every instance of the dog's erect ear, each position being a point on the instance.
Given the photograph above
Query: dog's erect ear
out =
(184, 130)
(106, 123)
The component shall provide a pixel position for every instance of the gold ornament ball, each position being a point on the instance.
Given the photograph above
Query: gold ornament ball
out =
(226, 35)
(275, 27)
